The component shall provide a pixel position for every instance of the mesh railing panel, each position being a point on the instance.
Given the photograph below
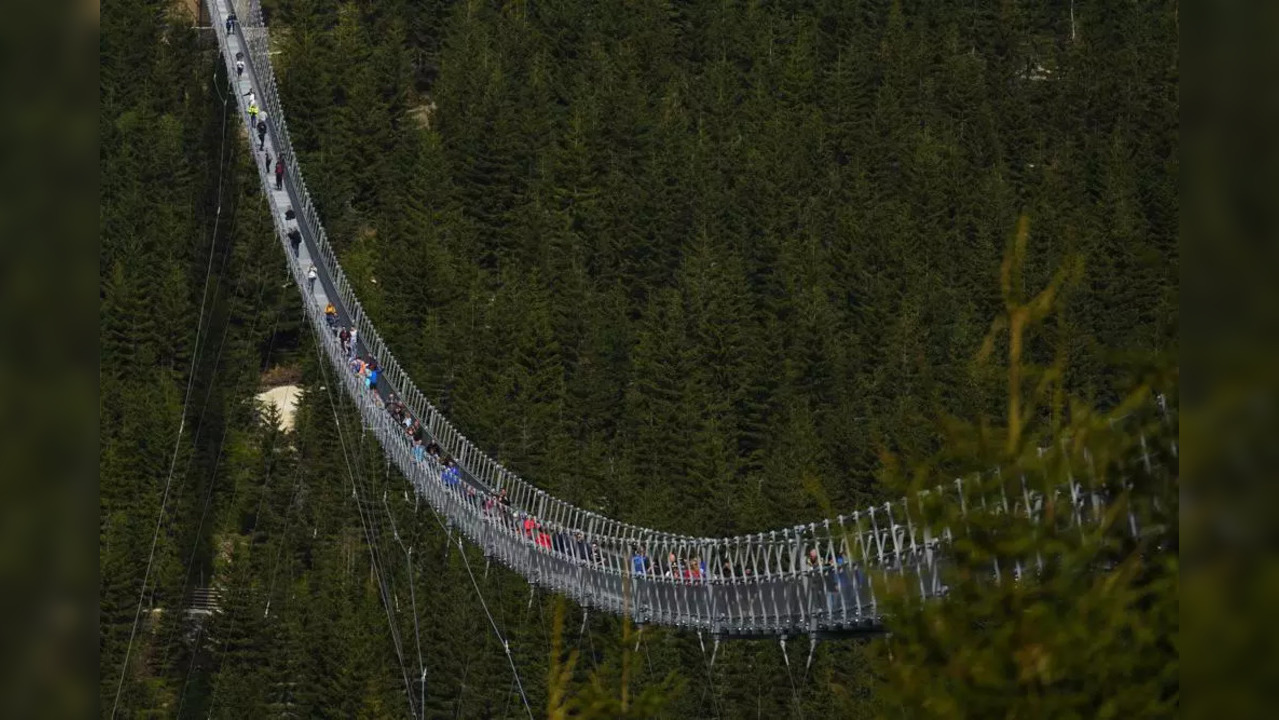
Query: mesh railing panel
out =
(760, 583)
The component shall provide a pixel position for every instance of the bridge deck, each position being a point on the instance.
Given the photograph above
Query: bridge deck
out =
(750, 586)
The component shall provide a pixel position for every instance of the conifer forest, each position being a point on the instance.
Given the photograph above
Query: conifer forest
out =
(714, 267)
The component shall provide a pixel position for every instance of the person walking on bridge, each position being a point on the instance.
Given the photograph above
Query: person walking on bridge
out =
(639, 562)
(451, 476)
(261, 134)
(230, 22)
(279, 173)
(311, 275)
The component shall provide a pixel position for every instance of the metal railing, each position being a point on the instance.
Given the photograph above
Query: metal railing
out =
(823, 576)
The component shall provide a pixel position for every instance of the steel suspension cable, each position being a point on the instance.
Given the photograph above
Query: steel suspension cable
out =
(351, 475)
(177, 443)
(217, 362)
(288, 514)
(506, 646)
(528, 609)
(408, 557)
(373, 550)
(710, 677)
(799, 708)
(208, 496)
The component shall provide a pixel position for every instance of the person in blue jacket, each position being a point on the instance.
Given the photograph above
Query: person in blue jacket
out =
(639, 561)
(451, 475)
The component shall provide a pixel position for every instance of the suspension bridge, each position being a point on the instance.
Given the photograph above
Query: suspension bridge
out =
(822, 578)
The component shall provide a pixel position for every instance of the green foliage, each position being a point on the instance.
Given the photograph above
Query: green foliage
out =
(608, 692)
(712, 267)
(1094, 633)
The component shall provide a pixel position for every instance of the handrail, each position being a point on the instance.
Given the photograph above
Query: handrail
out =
(582, 553)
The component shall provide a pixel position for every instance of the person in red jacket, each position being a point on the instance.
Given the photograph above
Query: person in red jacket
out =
(279, 174)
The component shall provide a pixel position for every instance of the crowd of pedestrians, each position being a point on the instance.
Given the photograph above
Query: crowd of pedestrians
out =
(836, 576)
(833, 574)
(834, 581)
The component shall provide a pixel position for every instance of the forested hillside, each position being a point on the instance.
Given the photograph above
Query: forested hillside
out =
(706, 266)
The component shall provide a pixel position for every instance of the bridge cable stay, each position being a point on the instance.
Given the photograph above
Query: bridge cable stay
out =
(247, 381)
(186, 396)
(516, 682)
(446, 529)
(812, 648)
(417, 633)
(459, 704)
(799, 708)
(386, 580)
(408, 559)
(288, 516)
(647, 655)
(523, 623)
(710, 676)
(506, 645)
(590, 643)
(373, 553)
(218, 462)
(204, 406)
(208, 496)
(279, 555)
(369, 527)
(541, 618)
(586, 630)
(266, 363)
(360, 510)
(510, 692)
